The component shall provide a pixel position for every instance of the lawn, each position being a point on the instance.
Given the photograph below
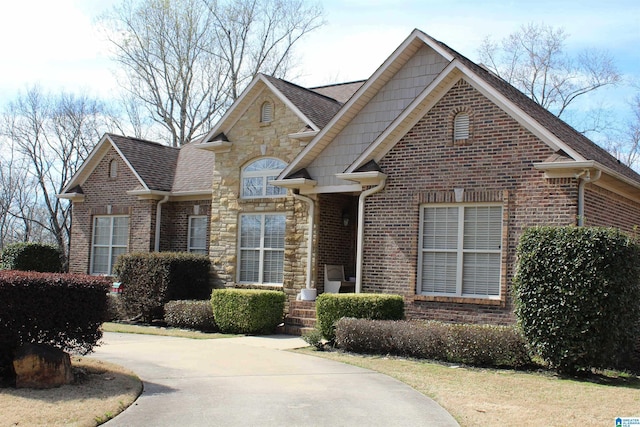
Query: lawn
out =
(491, 397)
(475, 397)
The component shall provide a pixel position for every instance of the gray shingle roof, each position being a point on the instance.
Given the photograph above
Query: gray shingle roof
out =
(194, 169)
(315, 106)
(154, 163)
(341, 92)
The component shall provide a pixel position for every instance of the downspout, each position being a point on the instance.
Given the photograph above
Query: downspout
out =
(584, 177)
(312, 208)
(360, 241)
(158, 221)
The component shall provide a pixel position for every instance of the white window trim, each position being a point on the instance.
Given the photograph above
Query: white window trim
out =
(189, 230)
(265, 174)
(460, 251)
(261, 249)
(110, 245)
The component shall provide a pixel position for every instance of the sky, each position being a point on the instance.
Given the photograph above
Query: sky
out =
(55, 44)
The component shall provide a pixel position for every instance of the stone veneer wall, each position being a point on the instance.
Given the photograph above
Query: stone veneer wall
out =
(253, 140)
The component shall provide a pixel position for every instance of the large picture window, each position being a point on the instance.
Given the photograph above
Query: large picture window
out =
(460, 250)
(261, 248)
(197, 239)
(257, 177)
(110, 239)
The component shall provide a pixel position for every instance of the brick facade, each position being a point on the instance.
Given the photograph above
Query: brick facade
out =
(494, 165)
(104, 195)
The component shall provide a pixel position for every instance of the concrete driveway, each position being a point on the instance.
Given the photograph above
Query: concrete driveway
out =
(251, 381)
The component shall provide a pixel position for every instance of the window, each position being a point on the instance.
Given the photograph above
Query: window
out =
(261, 248)
(256, 178)
(197, 240)
(460, 251)
(266, 112)
(113, 168)
(461, 127)
(110, 239)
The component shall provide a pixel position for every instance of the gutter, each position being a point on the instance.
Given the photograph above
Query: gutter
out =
(158, 221)
(360, 242)
(584, 177)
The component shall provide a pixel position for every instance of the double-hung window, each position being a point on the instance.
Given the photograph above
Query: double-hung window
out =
(257, 177)
(110, 239)
(261, 248)
(197, 239)
(460, 250)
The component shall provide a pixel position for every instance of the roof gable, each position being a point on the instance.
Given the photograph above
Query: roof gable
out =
(314, 109)
(546, 126)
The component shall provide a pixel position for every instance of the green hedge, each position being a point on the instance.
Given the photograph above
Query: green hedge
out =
(475, 345)
(39, 257)
(150, 280)
(62, 310)
(332, 307)
(190, 314)
(578, 295)
(247, 311)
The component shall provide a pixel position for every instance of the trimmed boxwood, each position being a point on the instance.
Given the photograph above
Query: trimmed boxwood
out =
(577, 295)
(475, 345)
(29, 256)
(332, 307)
(150, 280)
(247, 311)
(190, 314)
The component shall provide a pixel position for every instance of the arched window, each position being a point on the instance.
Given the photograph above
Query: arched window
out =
(113, 168)
(257, 177)
(461, 127)
(266, 112)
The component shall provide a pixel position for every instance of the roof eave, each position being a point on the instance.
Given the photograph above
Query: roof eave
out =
(363, 178)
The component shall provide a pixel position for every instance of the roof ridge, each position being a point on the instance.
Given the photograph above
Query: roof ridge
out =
(337, 84)
(297, 86)
(141, 140)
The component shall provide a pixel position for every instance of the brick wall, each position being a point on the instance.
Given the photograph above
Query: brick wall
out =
(495, 165)
(336, 242)
(174, 230)
(104, 195)
(604, 208)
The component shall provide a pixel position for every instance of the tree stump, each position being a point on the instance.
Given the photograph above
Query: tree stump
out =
(42, 366)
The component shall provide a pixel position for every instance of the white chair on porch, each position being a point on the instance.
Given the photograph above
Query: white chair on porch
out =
(334, 280)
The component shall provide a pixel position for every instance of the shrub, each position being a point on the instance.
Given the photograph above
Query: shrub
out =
(247, 311)
(331, 307)
(578, 295)
(31, 257)
(476, 345)
(61, 310)
(115, 309)
(190, 314)
(150, 280)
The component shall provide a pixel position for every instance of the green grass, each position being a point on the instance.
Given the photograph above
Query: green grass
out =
(156, 330)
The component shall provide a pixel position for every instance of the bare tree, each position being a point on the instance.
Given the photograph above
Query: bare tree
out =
(259, 35)
(52, 136)
(625, 144)
(187, 60)
(533, 60)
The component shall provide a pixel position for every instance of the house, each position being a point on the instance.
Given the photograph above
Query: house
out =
(132, 195)
(418, 181)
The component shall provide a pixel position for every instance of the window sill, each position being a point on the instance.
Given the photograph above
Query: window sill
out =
(460, 300)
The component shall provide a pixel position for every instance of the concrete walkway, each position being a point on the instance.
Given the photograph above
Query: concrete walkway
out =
(250, 381)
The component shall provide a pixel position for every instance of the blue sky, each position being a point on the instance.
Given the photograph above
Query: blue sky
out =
(54, 43)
